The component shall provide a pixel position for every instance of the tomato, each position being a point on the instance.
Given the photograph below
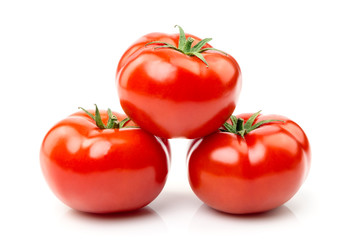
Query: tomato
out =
(102, 170)
(253, 165)
(174, 90)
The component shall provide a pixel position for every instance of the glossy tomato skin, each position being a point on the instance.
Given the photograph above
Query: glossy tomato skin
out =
(253, 174)
(174, 95)
(103, 171)
(130, 123)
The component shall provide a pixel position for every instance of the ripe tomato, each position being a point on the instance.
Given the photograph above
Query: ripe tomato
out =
(174, 90)
(253, 167)
(103, 170)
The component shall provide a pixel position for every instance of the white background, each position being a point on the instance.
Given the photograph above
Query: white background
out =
(298, 59)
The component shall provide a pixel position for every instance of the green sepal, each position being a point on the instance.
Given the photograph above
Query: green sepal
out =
(201, 44)
(234, 121)
(112, 123)
(111, 119)
(165, 46)
(182, 38)
(201, 57)
(242, 132)
(262, 122)
(98, 119)
(214, 49)
(238, 126)
(229, 127)
(88, 113)
(184, 46)
(123, 122)
(251, 120)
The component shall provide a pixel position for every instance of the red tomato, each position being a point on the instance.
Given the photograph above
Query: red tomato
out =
(256, 172)
(103, 170)
(173, 92)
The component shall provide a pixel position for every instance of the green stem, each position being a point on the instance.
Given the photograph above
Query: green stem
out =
(240, 128)
(185, 46)
(112, 123)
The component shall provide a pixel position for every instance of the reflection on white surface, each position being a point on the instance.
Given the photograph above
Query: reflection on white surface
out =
(214, 222)
(140, 222)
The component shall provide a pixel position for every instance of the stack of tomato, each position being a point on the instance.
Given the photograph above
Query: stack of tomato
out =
(175, 86)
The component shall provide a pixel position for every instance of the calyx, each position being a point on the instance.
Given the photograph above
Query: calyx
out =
(112, 123)
(184, 46)
(238, 126)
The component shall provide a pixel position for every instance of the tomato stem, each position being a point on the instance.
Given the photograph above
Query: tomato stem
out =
(112, 122)
(187, 45)
(239, 127)
(184, 46)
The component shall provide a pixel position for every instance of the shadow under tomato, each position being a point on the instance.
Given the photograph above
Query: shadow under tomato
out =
(127, 223)
(140, 213)
(279, 212)
(207, 219)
